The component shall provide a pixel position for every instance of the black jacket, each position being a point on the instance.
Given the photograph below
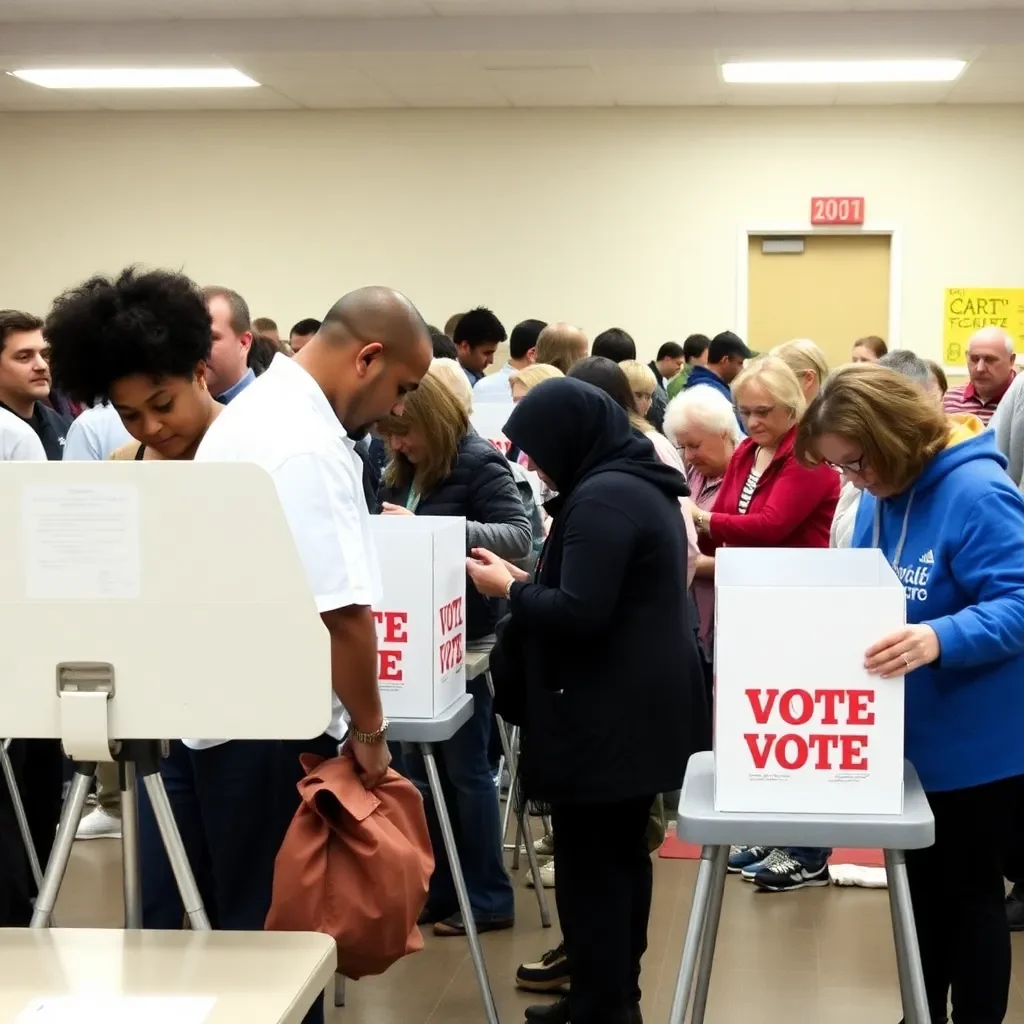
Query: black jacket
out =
(614, 699)
(481, 488)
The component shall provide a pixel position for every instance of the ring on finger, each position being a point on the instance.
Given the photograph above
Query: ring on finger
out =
(906, 661)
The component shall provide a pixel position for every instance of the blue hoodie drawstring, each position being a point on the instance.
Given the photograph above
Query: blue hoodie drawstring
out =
(877, 532)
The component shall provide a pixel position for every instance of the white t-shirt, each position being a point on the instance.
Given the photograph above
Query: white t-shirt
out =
(284, 423)
(18, 441)
(94, 435)
(494, 387)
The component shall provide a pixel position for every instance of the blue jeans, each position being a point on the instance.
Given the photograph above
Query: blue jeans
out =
(472, 802)
(809, 856)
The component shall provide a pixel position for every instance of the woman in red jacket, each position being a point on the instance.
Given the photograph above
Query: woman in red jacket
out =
(768, 500)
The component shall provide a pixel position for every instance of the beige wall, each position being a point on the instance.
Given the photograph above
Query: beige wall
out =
(601, 217)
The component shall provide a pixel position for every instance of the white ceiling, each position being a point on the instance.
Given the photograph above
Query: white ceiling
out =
(329, 54)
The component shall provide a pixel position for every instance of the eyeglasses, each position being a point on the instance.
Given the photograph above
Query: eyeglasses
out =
(762, 412)
(854, 466)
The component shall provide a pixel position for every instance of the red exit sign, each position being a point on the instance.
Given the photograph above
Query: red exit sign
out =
(837, 210)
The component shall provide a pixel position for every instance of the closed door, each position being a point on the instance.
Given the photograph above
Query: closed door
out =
(835, 291)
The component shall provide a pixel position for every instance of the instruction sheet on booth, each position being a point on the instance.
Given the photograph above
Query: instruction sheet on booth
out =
(103, 1009)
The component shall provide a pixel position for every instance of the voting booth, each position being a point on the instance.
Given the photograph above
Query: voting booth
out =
(800, 727)
(145, 601)
(421, 622)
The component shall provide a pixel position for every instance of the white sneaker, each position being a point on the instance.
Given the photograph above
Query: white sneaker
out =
(99, 824)
(547, 875)
(545, 846)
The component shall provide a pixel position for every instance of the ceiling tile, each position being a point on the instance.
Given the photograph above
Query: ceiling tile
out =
(889, 95)
(439, 86)
(557, 87)
(189, 99)
(464, 8)
(664, 87)
(329, 88)
(779, 95)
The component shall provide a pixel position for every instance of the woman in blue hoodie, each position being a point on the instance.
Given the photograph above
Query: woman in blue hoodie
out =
(950, 521)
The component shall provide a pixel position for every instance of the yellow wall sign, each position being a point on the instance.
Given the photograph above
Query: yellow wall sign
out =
(967, 310)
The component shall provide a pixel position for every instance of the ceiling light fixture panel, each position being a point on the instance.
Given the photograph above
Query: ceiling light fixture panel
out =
(841, 72)
(136, 78)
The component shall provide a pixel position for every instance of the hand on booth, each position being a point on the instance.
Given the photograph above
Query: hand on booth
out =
(387, 509)
(903, 651)
(492, 575)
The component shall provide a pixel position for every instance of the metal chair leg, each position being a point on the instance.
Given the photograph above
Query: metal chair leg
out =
(909, 956)
(694, 929)
(531, 856)
(719, 867)
(475, 952)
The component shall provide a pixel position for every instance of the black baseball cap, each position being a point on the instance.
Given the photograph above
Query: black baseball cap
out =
(728, 344)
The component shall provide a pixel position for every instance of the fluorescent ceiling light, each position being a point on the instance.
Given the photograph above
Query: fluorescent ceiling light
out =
(136, 78)
(841, 72)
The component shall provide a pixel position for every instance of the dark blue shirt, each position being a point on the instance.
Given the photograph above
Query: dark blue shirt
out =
(701, 375)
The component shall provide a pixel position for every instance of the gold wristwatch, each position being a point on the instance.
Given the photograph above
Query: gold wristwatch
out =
(370, 738)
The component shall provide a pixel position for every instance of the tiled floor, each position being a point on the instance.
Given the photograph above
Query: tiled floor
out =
(817, 956)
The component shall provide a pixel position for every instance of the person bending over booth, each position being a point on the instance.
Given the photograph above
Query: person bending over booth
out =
(599, 738)
(139, 345)
(938, 503)
(439, 466)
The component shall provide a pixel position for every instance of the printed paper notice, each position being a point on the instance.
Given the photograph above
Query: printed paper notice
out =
(81, 543)
(104, 1009)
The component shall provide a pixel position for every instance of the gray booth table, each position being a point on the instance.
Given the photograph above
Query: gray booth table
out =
(715, 831)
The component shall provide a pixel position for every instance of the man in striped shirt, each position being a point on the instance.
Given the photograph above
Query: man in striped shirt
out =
(990, 360)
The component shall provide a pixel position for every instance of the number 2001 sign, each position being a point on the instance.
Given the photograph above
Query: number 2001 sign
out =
(837, 210)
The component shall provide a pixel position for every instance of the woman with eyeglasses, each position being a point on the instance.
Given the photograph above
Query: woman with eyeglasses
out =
(938, 503)
(768, 499)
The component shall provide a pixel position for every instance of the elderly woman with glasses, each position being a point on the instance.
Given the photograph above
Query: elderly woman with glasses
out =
(768, 499)
(702, 425)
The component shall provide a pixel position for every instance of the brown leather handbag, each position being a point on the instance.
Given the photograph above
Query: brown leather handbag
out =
(355, 865)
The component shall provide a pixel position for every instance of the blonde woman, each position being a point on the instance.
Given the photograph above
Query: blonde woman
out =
(522, 381)
(807, 362)
(439, 466)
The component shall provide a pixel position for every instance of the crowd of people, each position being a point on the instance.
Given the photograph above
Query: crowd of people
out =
(592, 539)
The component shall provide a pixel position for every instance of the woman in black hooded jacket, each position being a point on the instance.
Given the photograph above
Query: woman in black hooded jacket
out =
(609, 710)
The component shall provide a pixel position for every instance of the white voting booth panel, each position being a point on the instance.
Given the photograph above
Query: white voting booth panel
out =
(489, 419)
(183, 576)
(421, 623)
(800, 727)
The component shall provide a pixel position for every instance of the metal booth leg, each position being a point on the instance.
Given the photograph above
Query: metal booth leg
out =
(475, 952)
(191, 900)
(898, 944)
(339, 990)
(523, 818)
(908, 952)
(132, 874)
(702, 893)
(70, 817)
(719, 868)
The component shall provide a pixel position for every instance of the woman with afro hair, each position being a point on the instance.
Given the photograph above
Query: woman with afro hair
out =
(139, 342)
